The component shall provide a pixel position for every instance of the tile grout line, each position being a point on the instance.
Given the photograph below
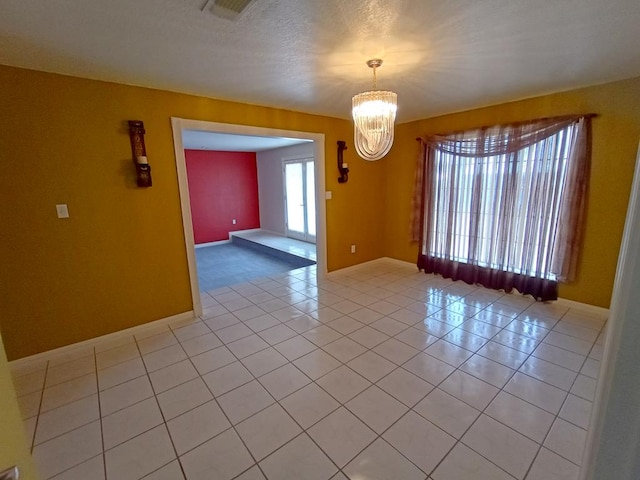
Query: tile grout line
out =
(493, 398)
(456, 368)
(35, 428)
(104, 456)
(556, 417)
(166, 427)
(410, 409)
(367, 349)
(232, 426)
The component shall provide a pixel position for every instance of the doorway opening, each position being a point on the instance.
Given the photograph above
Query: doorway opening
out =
(314, 218)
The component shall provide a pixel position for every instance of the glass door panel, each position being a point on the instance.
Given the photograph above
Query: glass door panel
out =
(300, 201)
(310, 203)
(294, 199)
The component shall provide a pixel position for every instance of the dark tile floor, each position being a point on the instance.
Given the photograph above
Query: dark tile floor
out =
(229, 264)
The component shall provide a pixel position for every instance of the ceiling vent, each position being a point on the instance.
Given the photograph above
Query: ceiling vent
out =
(229, 9)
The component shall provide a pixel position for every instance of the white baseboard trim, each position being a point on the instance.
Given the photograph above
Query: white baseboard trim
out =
(68, 349)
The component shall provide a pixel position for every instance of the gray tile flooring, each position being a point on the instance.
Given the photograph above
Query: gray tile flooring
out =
(375, 373)
(230, 264)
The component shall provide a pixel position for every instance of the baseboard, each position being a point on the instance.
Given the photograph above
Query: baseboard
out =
(585, 307)
(67, 349)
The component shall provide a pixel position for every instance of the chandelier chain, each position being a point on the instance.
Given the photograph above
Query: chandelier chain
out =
(375, 78)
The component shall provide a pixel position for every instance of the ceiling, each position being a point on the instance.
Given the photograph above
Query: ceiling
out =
(225, 142)
(309, 55)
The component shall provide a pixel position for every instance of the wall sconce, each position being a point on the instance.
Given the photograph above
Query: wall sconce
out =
(342, 167)
(139, 152)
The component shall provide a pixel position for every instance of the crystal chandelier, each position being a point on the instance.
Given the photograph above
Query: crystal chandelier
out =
(374, 113)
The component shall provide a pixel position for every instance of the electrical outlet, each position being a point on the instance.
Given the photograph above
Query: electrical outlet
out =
(353, 249)
(234, 221)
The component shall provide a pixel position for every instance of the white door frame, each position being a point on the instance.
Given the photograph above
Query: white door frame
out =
(612, 449)
(180, 124)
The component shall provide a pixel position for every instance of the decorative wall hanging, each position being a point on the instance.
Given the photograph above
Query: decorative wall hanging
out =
(343, 168)
(139, 153)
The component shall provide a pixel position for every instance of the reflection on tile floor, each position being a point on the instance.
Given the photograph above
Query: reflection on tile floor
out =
(375, 373)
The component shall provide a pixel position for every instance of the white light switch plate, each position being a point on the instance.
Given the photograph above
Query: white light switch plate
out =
(328, 195)
(63, 210)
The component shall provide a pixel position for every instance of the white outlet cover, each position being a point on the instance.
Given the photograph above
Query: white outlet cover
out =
(63, 210)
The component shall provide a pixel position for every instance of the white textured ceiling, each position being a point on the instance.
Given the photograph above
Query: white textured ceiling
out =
(309, 55)
(225, 142)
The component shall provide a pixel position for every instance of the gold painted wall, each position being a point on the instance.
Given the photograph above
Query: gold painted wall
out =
(616, 132)
(13, 444)
(120, 260)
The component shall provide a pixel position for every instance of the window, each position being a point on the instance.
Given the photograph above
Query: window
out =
(498, 203)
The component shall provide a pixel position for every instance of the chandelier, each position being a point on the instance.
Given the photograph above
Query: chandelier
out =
(374, 113)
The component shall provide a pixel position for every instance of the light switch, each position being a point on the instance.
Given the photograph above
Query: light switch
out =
(63, 210)
(328, 195)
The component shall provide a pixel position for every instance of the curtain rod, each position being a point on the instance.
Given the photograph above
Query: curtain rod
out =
(584, 115)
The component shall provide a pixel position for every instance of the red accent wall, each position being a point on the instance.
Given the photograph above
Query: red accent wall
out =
(222, 186)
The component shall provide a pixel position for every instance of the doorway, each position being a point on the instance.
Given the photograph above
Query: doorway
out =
(300, 201)
(179, 125)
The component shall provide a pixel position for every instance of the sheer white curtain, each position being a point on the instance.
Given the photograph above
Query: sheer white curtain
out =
(503, 206)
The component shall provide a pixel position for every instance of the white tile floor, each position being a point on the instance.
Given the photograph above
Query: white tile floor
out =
(378, 373)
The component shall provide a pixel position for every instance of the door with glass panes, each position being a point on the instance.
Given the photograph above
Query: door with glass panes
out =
(300, 199)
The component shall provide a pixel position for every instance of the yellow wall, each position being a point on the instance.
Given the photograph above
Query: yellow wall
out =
(616, 132)
(120, 260)
(13, 444)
